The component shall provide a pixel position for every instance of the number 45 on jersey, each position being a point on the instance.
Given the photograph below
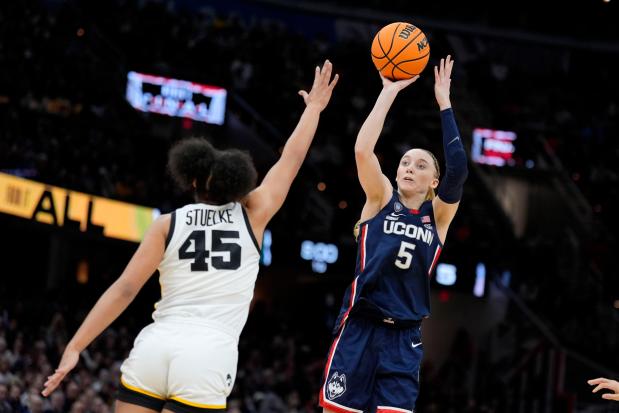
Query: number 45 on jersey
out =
(229, 257)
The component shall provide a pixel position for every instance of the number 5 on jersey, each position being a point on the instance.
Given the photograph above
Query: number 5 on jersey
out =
(405, 255)
(230, 260)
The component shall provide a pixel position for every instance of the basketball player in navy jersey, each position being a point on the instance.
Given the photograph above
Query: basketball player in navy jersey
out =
(208, 255)
(373, 364)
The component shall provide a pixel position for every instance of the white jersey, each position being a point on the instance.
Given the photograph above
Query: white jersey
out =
(209, 268)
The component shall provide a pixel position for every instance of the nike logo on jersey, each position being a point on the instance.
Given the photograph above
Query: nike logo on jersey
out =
(415, 345)
(453, 140)
(393, 216)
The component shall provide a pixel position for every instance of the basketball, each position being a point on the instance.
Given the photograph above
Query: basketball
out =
(400, 51)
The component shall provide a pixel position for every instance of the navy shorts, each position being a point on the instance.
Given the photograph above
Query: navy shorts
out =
(372, 367)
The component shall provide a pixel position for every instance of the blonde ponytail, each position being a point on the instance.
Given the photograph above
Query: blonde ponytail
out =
(430, 195)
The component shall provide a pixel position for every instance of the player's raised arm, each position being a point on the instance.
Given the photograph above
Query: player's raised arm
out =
(456, 170)
(264, 201)
(608, 384)
(114, 300)
(376, 186)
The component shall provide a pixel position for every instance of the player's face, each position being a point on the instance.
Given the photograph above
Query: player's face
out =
(416, 172)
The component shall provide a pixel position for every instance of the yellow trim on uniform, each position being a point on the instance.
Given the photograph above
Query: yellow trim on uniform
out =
(130, 387)
(200, 405)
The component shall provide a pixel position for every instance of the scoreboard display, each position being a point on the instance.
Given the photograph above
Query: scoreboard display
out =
(493, 147)
(179, 98)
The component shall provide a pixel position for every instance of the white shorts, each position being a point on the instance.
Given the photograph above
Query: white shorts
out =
(179, 363)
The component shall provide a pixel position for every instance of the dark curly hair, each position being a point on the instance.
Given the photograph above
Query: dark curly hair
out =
(220, 176)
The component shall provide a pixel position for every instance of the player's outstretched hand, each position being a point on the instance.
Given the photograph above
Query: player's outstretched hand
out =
(69, 359)
(442, 82)
(603, 383)
(320, 94)
(397, 85)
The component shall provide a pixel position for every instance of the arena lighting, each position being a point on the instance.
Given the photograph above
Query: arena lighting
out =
(480, 280)
(493, 147)
(173, 97)
(446, 274)
(320, 254)
(267, 240)
(68, 209)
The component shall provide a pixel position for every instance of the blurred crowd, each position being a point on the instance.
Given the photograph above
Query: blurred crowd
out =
(280, 366)
(570, 279)
(67, 122)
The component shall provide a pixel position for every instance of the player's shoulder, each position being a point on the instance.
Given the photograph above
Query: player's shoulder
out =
(162, 224)
(163, 219)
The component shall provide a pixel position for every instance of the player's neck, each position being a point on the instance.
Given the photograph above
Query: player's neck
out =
(413, 201)
(202, 200)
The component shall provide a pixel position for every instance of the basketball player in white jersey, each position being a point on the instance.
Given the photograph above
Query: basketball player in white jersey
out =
(207, 254)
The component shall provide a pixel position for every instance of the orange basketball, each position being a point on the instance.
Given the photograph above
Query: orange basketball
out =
(400, 51)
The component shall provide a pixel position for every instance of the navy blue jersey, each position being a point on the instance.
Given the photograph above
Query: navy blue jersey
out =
(396, 254)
